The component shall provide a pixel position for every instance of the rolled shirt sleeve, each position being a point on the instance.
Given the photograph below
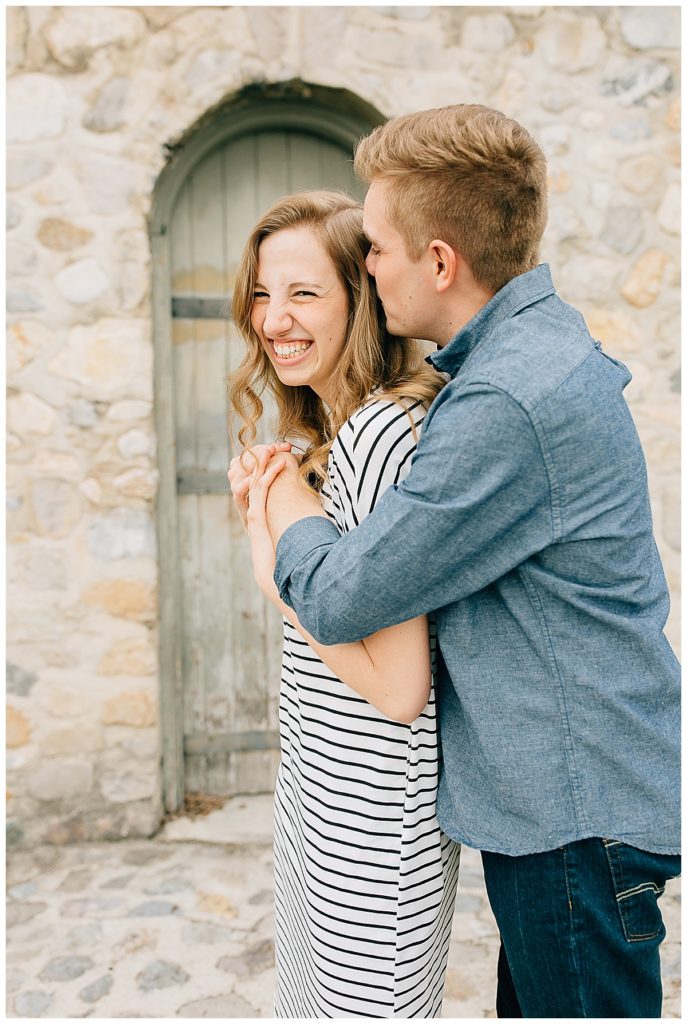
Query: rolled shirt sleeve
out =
(477, 502)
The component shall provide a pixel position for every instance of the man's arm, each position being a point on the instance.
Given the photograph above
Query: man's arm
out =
(477, 502)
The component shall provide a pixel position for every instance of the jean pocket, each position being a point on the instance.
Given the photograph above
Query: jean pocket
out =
(638, 882)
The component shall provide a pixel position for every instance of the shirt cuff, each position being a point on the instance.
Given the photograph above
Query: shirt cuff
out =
(296, 543)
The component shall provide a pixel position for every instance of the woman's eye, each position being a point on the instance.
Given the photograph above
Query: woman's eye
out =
(260, 295)
(303, 291)
(374, 251)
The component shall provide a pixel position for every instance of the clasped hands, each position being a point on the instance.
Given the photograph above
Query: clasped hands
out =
(269, 469)
(251, 473)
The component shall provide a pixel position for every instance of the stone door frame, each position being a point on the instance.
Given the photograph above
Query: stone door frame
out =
(333, 114)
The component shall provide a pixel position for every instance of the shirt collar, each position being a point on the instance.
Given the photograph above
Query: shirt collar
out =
(521, 291)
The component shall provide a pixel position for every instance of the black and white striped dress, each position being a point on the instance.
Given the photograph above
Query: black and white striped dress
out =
(364, 879)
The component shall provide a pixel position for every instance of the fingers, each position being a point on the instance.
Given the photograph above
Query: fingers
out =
(245, 464)
(265, 475)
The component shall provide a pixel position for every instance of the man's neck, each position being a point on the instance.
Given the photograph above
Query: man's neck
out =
(460, 313)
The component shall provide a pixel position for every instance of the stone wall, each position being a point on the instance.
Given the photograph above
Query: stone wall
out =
(94, 94)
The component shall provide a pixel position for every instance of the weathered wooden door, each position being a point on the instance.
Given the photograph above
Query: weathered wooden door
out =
(230, 638)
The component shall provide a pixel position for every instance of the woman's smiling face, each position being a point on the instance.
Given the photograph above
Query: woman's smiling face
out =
(300, 308)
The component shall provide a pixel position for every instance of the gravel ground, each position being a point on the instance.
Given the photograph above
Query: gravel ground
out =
(181, 926)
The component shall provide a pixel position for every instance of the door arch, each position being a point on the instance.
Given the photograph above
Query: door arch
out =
(219, 639)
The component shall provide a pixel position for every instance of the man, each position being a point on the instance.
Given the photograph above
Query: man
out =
(525, 525)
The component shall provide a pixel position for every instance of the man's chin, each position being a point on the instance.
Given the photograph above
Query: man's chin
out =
(393, 326)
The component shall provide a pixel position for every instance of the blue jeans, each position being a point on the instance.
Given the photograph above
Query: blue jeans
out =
(580, 929)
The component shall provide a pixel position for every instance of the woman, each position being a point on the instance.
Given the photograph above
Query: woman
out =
(364, 879)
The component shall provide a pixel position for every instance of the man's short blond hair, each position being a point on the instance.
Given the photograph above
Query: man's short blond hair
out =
(467, 175)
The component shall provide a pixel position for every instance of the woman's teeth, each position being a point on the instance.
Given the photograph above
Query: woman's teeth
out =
(289, 351)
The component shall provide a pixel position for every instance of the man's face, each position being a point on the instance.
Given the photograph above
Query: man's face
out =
(406, 288)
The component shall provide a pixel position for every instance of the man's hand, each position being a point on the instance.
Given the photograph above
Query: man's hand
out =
(243, 468)
(290, 499)
(261, 546)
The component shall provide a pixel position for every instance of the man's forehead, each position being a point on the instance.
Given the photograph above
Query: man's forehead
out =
(374, 210)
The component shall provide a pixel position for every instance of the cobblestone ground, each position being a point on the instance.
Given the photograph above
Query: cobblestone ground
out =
(181, 926)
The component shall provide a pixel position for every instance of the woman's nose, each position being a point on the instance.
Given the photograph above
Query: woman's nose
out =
(277, 320)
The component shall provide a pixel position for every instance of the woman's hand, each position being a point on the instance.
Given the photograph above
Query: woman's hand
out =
(261, 547)
(241, 471)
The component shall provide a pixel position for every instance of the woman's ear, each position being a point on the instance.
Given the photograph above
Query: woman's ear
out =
(444, 264)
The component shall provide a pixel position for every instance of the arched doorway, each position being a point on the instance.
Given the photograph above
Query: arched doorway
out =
(219, 640)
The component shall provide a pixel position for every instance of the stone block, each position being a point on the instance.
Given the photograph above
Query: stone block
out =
(33, 1004)
(111, 359)
(229, 1004)
(17, 30)
(13, 214)
(637, 80)
(107, 113)
(63, 780)
(82, 413)
(18, 680)
(143, 744)
(643, 284)
(18, 727)
(85, 738)
(134, 657)
(92, 490)
(67, 831)
(122, 788)
(74, 33)
(82, 282)
(122, 412)
(97, 989)
(134, 708)
(648, 28)
(27, 339)
(571, 44)
(668, 215)
(398, 49)
(590, 277)
(210, 65)
(158, 17)
(36, 108)
(59, 465)
(623, 228)
(62, 235)
(122, 533)
(108, 183)
(20, 257)
(63, 703)
(19, 301)
(137, 483)
(56, 507)
(136, 442)
(23, 168)
(640, 173)
(28, 414)
(126, 599)
(487, 33)
(617, 332)
(132, 278)
(66, 968)
(161, 974)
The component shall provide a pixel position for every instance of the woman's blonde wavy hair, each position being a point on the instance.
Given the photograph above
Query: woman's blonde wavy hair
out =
(372, 359)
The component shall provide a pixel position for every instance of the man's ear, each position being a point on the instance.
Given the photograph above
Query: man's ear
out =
(444, 264)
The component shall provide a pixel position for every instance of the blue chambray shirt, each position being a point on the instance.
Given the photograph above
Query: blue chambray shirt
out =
(525, 525)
